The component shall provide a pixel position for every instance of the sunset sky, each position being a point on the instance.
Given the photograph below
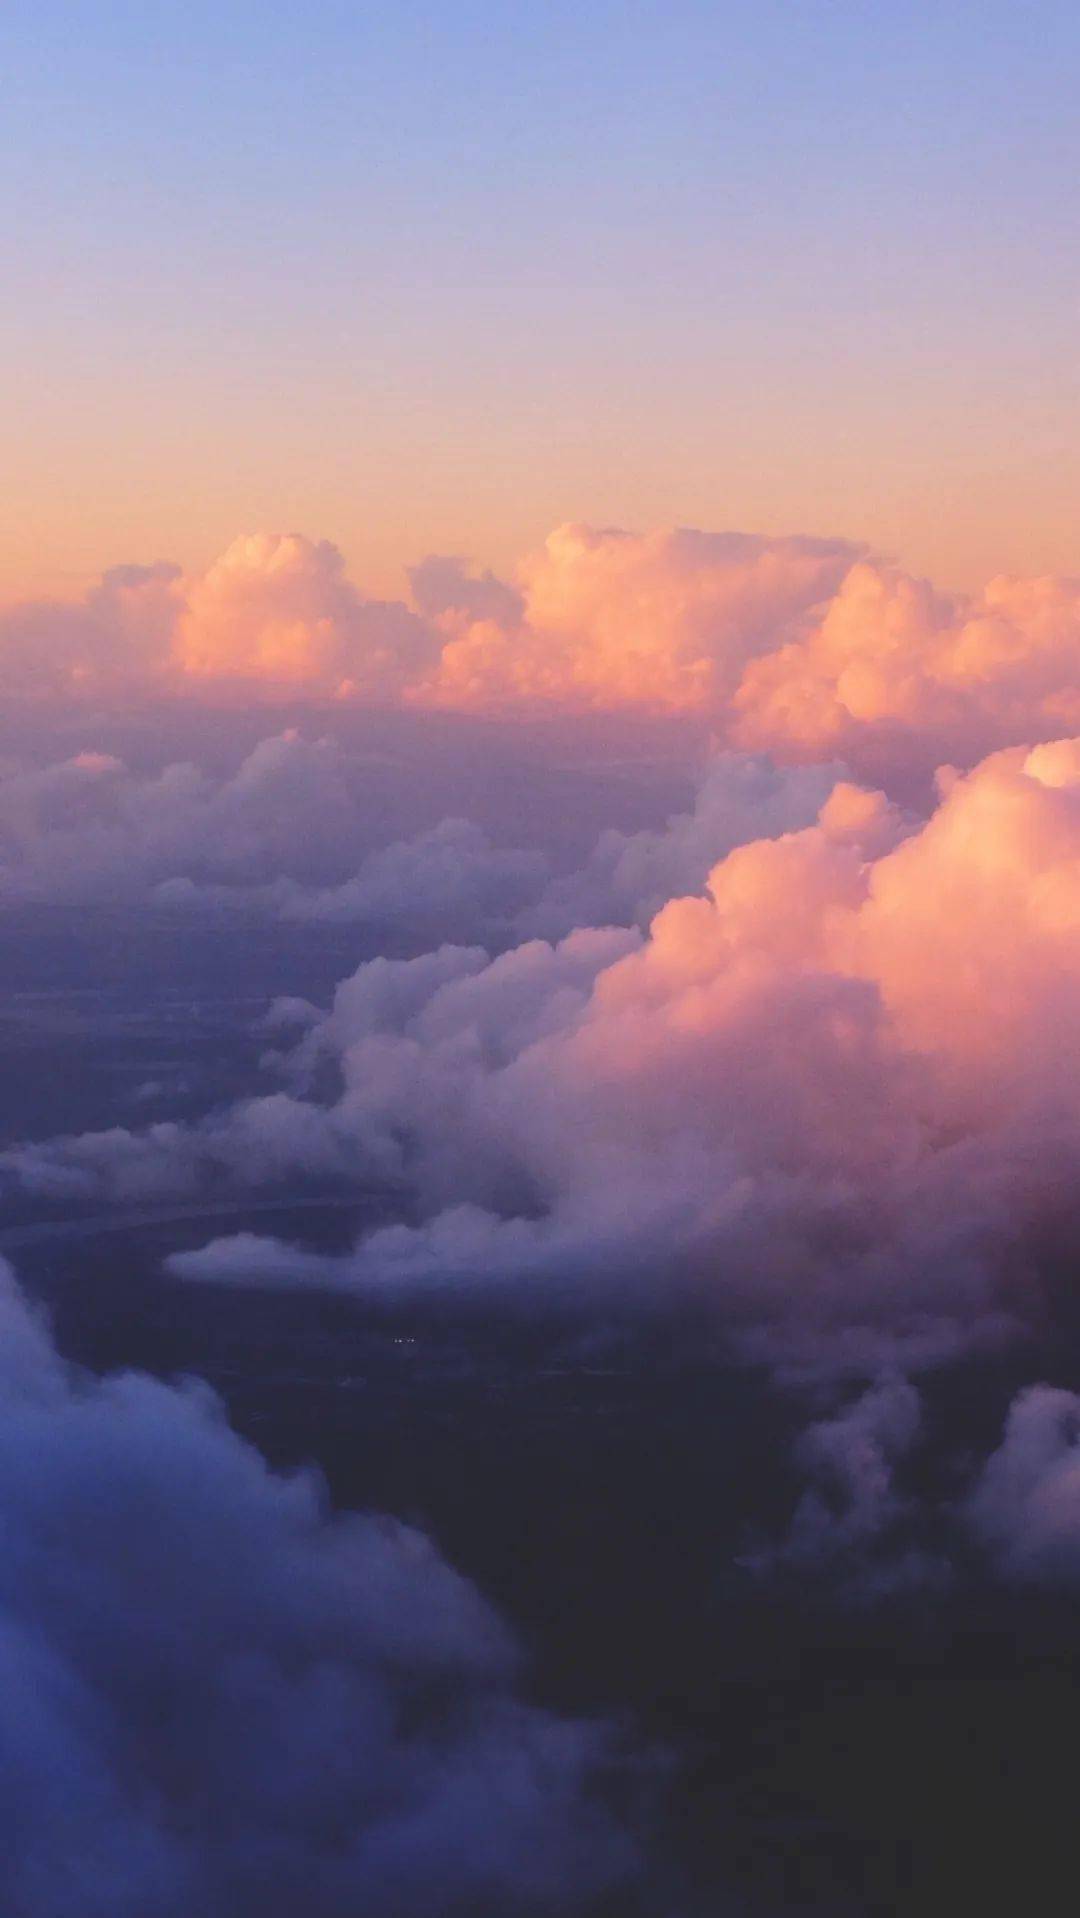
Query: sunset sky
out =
(539, 958)
(438, 277)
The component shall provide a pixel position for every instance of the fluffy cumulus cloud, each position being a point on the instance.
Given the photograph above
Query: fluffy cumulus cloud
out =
(297, 831)
(220, 1698)
(832, 1092)
(291, 834)
(817, 1064)
(280, 612)
(895, 675)
(665, 621)
(450, 881)
(851, 1498)
(457, 994)
(1025, 1506)
(629, 876)
(89, 826)
(117, 640)
(740, 984)
(808, 648)
(275, 612)
(864, 1525)
(887, 1508)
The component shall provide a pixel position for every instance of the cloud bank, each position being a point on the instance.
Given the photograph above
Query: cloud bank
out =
(837, 1088)
(805, 648)
(801, 1050)
(831, 1093)
(297, 833)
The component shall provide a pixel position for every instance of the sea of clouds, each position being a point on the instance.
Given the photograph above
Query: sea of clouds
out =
(760, 992)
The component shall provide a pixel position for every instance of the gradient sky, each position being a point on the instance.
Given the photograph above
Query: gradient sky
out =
(437, 276)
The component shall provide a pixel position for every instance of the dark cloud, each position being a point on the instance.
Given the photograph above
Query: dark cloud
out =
(1025, 1506)
(218, 1697)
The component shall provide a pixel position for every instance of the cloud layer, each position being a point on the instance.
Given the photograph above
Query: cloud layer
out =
(836, 1088)
(806, 648)
(298, 832)
(831, 1093)
(801, 1049)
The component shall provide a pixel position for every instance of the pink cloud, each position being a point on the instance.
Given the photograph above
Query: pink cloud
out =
(806, 648)
(833, 1092)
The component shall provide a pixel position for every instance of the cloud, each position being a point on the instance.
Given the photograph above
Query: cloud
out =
(117, 640)
(895, 674)
(857, 1529)
(450, 881)
(90, 827)
(866, 1527)
(830, 1088)
(273, 615)
(288, 835)
(298, 832)
(1025, 1506)
(834, 1094)
(853, 1528)
(279, 611)
(849, 1460)
(607, 618)
(809, 649)
(456, 884)
(629, 876)
(799, 1057)
(219, 1697)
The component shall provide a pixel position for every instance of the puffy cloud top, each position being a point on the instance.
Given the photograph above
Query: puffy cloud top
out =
(808, 648)
(833, 1089)
(279, 611)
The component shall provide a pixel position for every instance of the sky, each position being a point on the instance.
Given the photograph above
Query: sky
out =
(440, 277)
(539, 958)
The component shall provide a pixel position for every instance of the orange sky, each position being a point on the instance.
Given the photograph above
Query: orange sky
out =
(441, 288)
